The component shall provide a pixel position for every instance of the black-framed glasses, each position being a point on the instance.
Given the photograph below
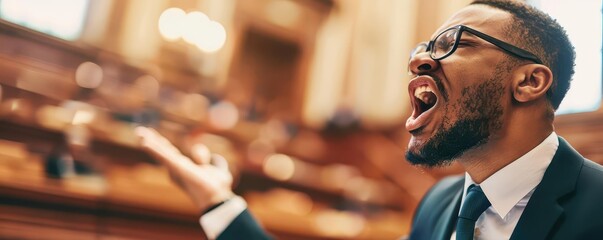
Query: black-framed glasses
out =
(445, 43)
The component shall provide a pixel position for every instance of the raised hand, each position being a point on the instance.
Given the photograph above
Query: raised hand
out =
(205, 177)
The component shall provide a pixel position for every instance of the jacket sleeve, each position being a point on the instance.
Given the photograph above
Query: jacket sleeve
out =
(244, 226)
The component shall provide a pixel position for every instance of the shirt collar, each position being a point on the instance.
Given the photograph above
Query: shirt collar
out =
(505, 188)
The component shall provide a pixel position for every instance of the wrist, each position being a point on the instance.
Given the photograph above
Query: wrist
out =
(207, 200)
(214, 206)
(216, 202)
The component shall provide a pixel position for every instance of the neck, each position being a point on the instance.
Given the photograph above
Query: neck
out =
(503, 148)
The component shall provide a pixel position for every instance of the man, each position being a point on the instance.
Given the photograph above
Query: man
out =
(485, 90)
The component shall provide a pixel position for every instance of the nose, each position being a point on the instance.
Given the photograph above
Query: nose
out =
(422, 63)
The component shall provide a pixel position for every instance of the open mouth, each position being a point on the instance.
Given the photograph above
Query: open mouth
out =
(424, 100)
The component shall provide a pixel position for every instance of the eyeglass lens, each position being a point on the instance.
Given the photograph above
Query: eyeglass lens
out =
(444, 43)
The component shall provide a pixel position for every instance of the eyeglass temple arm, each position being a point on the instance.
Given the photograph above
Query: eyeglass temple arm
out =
(505, 46)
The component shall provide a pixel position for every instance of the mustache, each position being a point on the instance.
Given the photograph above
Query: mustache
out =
(439, 84)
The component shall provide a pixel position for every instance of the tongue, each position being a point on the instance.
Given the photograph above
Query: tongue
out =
(428, 99)
(423, 102)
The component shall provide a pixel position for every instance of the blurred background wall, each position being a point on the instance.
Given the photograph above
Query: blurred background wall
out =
(306, 99)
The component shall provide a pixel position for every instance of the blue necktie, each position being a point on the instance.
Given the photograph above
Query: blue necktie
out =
(474, 205)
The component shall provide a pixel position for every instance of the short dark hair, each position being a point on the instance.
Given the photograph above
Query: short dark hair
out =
(550, 42)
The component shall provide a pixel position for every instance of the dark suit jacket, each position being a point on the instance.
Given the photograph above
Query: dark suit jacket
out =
(567, 204)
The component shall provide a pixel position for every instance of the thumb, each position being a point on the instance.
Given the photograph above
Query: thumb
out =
(200, 154)
(219, 162)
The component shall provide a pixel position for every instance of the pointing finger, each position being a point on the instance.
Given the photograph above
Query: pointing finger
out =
(158, 146)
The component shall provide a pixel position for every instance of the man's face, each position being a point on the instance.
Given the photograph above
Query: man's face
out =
(459, 102)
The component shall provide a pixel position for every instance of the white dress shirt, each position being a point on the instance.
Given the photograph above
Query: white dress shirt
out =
(510, 189)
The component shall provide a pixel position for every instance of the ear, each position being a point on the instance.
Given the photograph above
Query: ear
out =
(531, 82)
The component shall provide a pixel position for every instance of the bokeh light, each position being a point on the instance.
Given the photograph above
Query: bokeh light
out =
(339, 223)
(213, 37)
(223, 115)
(171, 23)
(279, 166)
(194, 24)
(89, 75)
(195, 28)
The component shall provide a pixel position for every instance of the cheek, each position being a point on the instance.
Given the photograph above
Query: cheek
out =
(469, 83)
(453, 109)
(459, 75)
(462, 76)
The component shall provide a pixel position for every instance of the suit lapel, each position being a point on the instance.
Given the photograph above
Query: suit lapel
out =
(543, 209)
(447, 221)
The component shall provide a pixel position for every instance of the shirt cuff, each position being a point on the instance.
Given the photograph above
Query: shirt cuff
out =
(215, 221)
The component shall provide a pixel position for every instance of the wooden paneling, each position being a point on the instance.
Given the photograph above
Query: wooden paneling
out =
(584, 131)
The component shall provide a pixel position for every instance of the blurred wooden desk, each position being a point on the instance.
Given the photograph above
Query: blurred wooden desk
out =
(125, 202)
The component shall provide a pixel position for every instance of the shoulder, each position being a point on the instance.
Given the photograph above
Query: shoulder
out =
(593, 168)
(568, 165)
(588, 185)
(582, 207)
(591, 177)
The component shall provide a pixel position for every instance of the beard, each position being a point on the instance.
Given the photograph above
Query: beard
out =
(479, 114)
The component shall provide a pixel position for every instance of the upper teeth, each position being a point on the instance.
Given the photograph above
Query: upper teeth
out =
(422, 89)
